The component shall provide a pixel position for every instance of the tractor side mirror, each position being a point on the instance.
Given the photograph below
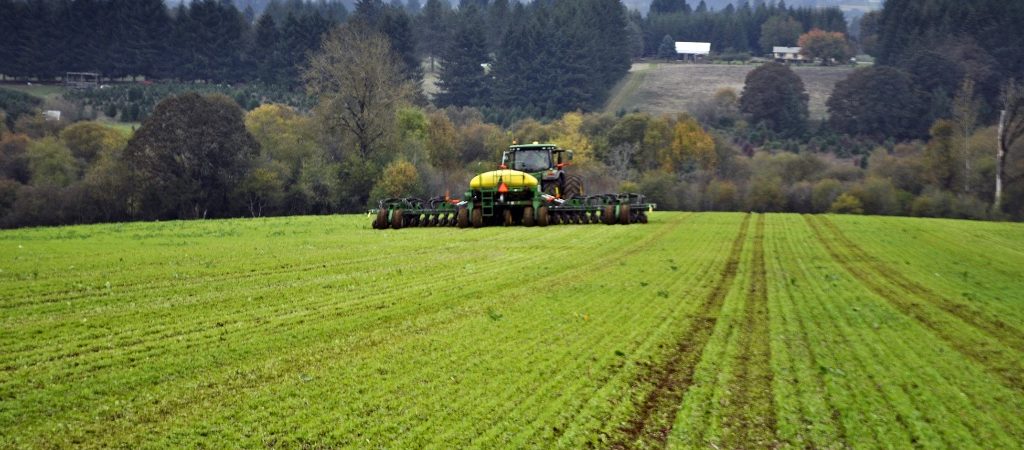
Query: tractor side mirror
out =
(504, 161)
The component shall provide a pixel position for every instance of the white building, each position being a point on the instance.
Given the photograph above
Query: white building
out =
(693, 50)
(788, 54)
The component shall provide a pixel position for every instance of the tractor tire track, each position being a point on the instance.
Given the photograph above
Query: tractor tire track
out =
(656, 413)
(750, 413)
(996, 328)
(989, 353)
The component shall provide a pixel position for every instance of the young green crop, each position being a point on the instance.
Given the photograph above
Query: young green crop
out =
(731, 330)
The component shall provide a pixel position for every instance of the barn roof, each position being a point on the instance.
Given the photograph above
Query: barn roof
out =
(693, 48)
(785, 49)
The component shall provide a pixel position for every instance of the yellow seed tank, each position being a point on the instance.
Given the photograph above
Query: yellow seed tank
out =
(512, 178)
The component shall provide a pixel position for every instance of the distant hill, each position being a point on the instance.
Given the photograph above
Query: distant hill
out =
(668, 88)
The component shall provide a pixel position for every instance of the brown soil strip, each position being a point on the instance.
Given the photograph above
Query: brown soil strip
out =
(656, 412)
(750, 419)
(995, 357)
(995, 327)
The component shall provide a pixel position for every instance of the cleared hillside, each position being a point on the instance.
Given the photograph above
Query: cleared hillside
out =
(666, 88)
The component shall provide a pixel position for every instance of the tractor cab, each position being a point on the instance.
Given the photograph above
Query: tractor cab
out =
(543, 161)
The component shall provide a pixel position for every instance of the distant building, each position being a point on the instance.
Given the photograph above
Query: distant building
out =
(51, 115)
(788, 54)
(692, 51)
(82, 80)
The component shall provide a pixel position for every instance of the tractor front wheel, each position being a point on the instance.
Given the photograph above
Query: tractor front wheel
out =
(506, 218)
(543, 219)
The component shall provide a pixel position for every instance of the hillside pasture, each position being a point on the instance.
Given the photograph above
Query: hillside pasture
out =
(670, 88)
(697, 330)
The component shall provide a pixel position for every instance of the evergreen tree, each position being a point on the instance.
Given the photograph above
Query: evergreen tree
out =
(497, 23)
(413, 7)
(668, 6)
(396, 25)
(11, 19)
(667, 49)
(462, 80)
(265, 51)
(432, 29)
(514, 67)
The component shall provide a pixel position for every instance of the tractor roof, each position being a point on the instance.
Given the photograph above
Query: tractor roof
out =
(534, 146)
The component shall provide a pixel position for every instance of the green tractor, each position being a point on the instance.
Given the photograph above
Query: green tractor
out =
(530, 188)
(546, 162)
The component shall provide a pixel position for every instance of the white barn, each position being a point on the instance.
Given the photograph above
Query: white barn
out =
(693, 50)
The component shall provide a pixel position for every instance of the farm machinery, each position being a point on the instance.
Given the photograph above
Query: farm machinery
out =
(530, 188)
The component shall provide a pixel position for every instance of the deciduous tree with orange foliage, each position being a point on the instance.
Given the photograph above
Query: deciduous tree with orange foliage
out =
(829, 46)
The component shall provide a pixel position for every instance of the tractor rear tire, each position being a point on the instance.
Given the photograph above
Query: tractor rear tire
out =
(506, 218)
(478, 218)
(396, 219)
(543, 218)
(381, 222)
(462, 218)
(572, 186)
(528, 216)
(624, 215)
(608, 215)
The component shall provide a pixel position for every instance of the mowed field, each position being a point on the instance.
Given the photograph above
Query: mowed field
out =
(709, 330)
(669, 88)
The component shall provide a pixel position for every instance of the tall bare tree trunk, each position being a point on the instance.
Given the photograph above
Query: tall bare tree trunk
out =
(997, 205)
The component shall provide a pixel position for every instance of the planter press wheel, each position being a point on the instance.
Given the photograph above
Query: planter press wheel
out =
(528, 216)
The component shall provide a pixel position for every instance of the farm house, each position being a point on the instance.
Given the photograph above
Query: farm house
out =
(788, 54)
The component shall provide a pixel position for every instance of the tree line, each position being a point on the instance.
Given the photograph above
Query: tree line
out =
(742, 29)
(892, 143)
(206, 40)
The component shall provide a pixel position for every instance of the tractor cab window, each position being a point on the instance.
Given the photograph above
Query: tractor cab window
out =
(531, 160)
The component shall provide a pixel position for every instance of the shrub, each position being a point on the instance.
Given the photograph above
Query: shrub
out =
(764, 194)
(824, 194)
(721, 195)
(846, 204)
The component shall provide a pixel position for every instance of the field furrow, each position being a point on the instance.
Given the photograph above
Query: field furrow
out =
(656, 414)
(751, 409)
(984, 349)
(994, 326)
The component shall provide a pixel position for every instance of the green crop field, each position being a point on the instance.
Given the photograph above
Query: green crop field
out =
(694, 331)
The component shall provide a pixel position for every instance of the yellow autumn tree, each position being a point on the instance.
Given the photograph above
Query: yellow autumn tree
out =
(399, 179)
(442, 145)
(691, 146)
(284, 135)
(572, 137)
(657, 139)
